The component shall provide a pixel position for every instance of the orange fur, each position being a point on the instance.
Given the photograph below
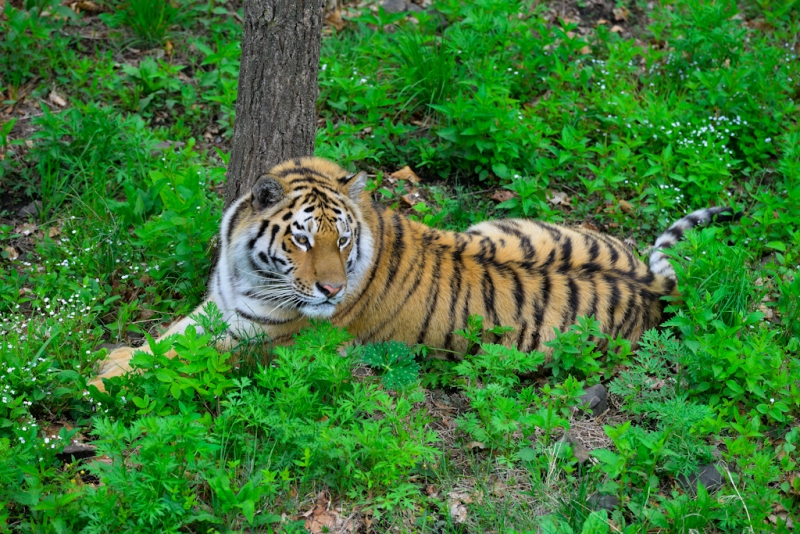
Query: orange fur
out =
(405, 281)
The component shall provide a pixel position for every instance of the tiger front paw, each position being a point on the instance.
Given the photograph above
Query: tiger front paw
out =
(117, 363)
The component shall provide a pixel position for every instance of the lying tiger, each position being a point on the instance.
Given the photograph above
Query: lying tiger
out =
(307, 241)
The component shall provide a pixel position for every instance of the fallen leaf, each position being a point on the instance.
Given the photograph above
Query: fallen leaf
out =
(102, 459)
(499, 489)
(322, 519)
(168, 46)
(335, 19)
(12, 253)
(621, 13)
(25, 229)
(57, 99)
(617, 29)
(602, 21)
(558, 198)
(591, 226)
(501, 195)
(585, 50)
(53, 231)
(458, 513)
(87, 7)
(625, 206)
(457, 496)
(769, 313)
(406, 174)
(475, 445)
(411, 199)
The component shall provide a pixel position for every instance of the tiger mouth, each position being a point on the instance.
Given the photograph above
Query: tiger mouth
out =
(321, 310)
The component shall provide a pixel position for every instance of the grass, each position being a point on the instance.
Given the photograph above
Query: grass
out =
(503, 110)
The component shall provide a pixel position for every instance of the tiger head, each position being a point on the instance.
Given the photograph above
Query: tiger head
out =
(298, 241)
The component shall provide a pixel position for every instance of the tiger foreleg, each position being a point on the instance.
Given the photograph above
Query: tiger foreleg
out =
(118, 361)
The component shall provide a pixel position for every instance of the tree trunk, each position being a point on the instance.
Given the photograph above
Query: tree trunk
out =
(276, 114)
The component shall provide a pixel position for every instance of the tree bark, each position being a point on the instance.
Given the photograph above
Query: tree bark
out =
(276, 114)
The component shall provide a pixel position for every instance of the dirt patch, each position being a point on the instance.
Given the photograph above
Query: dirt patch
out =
(626, 21)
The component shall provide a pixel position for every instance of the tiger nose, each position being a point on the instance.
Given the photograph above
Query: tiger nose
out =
(329, 290)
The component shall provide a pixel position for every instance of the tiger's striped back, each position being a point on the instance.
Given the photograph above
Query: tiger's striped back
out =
(527, 274)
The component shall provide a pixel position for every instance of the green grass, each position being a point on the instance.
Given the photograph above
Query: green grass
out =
(695, 104)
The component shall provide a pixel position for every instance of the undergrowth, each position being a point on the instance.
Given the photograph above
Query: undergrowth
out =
(117, 148)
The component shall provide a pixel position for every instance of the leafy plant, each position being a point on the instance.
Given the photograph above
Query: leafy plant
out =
(396, 362)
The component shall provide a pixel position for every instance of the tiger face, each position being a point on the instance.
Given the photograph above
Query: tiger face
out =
(298, 242)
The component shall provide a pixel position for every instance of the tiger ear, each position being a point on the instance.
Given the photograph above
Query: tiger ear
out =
(266, 191)
(356, 183)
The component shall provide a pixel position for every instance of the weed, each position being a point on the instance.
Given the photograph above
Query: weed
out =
(567, 124)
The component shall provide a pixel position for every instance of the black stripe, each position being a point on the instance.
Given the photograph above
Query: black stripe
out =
(371, 278)
(594, 250)
(418, 268)
(519, 342)
(433, 302)
(261, 231)
(398, 247)
(519, 293)
(540, 308)
(566, 256)
(465, 315)
(573, 302)
(274, 233)
(635, 311)
(592, 310)
(554, 231)
(613, 303)
(235, 219)
(261, 320)
(299, 169)
(488, 296)
(528, 250)
(457, 265)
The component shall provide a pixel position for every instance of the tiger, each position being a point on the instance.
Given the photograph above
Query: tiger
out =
(307, 242)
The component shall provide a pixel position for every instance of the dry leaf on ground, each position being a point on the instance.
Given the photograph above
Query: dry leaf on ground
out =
(621, 14)
(625, 206)
(320, 519)
(25, 229)
(405, 174)
(57, 99)
(558, 198)
(86, 6)
(12, 253)
(501, 195)
(411, 199)
(335, 19)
